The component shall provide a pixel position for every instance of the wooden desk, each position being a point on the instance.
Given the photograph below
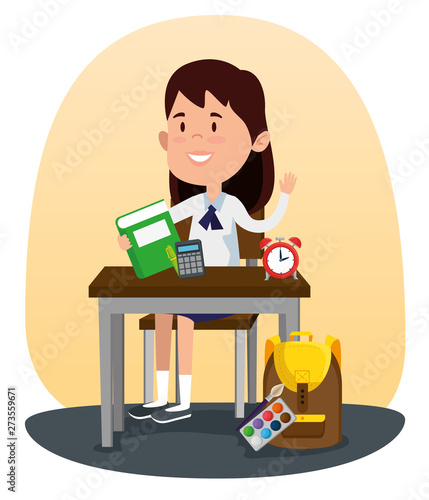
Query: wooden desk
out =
(235, 290)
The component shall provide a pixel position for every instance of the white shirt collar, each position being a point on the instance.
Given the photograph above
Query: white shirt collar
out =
(217, 203)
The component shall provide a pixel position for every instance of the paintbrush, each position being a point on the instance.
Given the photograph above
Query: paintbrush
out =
(275, 393)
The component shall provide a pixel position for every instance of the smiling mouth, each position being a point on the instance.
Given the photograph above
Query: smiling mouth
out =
(199, 158)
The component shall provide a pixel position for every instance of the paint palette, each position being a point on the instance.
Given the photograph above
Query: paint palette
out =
(268, 424)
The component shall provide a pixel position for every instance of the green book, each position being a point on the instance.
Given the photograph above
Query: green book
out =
(150, 231)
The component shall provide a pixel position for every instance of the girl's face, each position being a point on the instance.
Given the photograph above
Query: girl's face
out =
(207, 146)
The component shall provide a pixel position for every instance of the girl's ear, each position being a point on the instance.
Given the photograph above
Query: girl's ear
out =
(261, 142)
(163, 140)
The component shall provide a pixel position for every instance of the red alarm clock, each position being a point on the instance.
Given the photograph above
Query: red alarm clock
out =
(280, 259)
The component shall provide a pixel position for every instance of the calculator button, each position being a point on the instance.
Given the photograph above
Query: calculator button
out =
(192, 259)
(186, 259)
(188, 271)
(187, 265)
(198, 258)
(200, 269)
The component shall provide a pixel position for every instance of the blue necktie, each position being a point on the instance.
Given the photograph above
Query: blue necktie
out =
(210, 219)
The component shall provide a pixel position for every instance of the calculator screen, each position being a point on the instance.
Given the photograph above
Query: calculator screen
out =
(187, 248)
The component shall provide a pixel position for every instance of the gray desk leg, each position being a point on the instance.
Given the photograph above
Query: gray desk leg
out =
(117, 322)
(282, 328)
(106, 376)
(149, 355)
(251, 363)
(290, 321)
(240, 361)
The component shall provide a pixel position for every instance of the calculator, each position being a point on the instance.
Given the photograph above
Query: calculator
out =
(190, 260)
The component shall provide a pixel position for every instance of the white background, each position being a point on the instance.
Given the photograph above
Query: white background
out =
(392, 77)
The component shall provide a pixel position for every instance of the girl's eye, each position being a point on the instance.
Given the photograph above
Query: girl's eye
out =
(182, 127)
(214, 127)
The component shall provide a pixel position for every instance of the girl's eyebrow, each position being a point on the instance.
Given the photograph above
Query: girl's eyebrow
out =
(178, 114)
(215, 114)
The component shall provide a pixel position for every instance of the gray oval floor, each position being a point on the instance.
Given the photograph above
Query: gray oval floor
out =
(206, 445)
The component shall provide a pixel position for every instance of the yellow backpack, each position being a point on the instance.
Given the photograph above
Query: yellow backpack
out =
(311, 372)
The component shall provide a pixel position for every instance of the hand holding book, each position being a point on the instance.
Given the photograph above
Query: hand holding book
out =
(124, 242)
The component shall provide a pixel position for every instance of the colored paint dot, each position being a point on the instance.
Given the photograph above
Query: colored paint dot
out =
(265, 433)
(248, 431)
(275, 425)
(256, 441)
(285, 417)
(257, 423)
(267, 415)
(277, 407)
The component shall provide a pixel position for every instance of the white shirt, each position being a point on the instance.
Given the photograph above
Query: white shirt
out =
(220, 246)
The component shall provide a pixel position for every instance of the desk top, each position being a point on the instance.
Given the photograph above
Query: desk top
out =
(221, 282)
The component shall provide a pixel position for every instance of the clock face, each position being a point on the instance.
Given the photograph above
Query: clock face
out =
(280, 260)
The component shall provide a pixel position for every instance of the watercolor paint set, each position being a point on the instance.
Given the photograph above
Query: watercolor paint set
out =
(268, 424)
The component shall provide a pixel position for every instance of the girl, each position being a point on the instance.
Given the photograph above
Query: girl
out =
(221, 170)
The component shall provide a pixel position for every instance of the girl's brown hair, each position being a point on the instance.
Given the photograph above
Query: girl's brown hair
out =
(253, 183)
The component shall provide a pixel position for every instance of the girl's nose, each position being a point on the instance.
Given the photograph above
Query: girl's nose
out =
(197, 135)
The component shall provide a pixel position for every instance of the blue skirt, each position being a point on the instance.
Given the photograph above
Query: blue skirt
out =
(199, 318)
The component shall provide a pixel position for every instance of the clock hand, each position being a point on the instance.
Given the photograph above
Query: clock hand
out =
(280, 254)
(281, 260)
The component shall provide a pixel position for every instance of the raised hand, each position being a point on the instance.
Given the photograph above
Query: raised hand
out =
(288, 183)
(124, 242)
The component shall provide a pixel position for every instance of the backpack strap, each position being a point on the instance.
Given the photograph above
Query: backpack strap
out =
(302, 397)
(269, 346)
(335, 347)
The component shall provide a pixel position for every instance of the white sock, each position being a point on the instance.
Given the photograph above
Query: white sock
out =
(185, 382)
(162, 383)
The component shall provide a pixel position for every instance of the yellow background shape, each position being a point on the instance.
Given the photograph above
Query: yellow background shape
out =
(342, 209)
